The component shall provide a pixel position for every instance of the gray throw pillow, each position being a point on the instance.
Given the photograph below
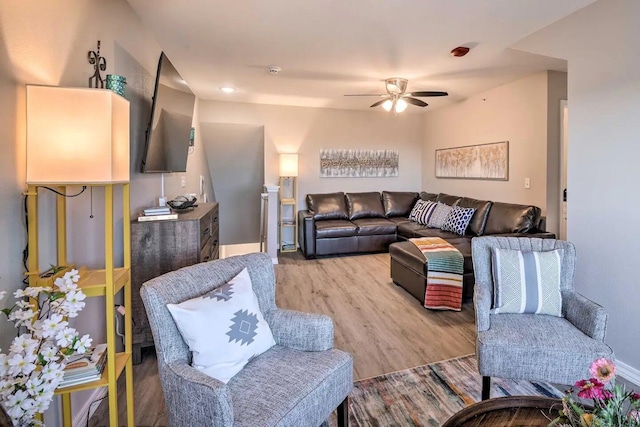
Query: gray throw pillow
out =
(527, 281)
(439, 215)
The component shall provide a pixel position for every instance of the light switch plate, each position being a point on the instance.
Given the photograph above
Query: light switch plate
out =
(527, 183)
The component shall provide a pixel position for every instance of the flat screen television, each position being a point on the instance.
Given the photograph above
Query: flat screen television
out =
(167, 137)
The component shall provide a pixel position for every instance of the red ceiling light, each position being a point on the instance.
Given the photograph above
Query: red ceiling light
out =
(460, 51)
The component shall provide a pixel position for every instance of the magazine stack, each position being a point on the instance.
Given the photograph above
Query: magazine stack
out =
(84, 368)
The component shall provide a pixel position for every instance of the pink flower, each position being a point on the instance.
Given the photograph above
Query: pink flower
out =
(590, 389)
(603, 369)
(635, 396)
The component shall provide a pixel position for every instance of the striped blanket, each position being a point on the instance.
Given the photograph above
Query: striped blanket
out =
(444, 273)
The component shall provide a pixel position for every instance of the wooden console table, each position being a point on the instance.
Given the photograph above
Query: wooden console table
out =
(531, 411)
(158, 247)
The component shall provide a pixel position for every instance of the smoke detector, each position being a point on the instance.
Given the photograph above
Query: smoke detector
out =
(274, 69)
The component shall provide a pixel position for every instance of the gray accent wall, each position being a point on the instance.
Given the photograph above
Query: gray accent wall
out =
(235, 155)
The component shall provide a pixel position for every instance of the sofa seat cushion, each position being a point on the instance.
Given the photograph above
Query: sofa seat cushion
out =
(409, 229)
(364, 205)
(333, 228)
(398, 203)
(479, 219)
(399, 219)
(301, 385)
(375, 226)
(436, 232)
(327, 206)
(511, 218)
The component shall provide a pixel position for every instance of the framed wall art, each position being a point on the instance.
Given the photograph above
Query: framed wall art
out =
(483, 161)
(341, 163)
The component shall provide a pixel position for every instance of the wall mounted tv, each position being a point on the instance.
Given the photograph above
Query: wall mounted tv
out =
(167, 138)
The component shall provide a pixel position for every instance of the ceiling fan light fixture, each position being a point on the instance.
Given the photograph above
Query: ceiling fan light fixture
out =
(401, 105)
(387, 105)
(395, 85)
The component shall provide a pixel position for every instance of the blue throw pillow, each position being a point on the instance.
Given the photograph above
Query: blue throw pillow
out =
(458, 220)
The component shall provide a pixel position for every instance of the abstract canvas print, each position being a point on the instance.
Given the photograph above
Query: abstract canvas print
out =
(341, 163)
(484, 161)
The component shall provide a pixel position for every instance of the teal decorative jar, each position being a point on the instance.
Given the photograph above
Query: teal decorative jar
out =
(117, 83)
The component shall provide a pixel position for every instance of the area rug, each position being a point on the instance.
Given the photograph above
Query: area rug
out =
(428, 395)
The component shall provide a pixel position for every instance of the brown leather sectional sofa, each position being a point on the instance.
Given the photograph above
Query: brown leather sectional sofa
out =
(343, 223)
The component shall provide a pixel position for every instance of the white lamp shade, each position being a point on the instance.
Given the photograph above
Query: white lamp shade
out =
(76, 135)
(288, 164)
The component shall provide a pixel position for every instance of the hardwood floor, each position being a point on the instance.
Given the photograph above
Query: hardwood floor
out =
(379, 323)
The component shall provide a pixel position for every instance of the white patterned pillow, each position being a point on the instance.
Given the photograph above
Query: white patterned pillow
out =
(439, 215)
(526, 281)
(458, 220)
(416, 210)
(224, 328)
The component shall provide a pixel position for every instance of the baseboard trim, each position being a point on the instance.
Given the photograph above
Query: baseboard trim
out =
(80, 420)
(628, 372)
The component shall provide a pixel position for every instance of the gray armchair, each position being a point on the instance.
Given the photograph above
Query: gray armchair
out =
(531, 346)
(298, 382)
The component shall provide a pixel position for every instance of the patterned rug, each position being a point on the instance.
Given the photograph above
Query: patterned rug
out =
(428, 395)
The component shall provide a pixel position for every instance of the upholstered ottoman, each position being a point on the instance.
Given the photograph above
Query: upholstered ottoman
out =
(409, 269)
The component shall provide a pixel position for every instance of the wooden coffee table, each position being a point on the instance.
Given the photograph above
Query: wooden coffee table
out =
(508, 411)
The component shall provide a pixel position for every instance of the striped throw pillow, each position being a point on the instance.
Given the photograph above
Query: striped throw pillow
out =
(417, 210)
(526, 281)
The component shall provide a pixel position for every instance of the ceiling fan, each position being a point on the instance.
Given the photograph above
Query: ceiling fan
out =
(397, 99)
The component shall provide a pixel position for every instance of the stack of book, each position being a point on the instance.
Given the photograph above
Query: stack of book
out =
(84, 368)
(157, 213)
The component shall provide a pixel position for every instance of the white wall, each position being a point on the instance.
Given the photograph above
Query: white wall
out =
(306, 130)
(600, 44)
(47, 43)
(516, 112)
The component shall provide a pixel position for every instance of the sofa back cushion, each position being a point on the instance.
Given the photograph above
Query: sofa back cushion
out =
(448, 199)
(428, 197)
(479, 219)
(511, 218)
(364, 205)
(398, 203)
(327, 206)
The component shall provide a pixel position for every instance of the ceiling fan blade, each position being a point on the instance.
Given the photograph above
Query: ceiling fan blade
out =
(370, 94)
(377, 103)
(415, 101)
(429, 93)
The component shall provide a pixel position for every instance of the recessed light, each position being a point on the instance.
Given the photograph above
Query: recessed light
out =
(227, 89)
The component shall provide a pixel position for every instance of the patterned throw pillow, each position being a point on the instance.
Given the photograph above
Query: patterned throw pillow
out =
(223, 328)
(417, 208)
(458, 220)
(526, 281)
(421, 211)
(439, 215)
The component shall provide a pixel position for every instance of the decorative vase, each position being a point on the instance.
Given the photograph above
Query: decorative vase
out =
(117, 83)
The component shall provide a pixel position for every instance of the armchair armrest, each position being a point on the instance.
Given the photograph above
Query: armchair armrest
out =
(482, 304)
(193, 398)
(584, 314)
(301, 331)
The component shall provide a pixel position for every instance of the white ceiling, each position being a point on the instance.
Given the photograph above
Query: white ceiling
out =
(328, 48)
